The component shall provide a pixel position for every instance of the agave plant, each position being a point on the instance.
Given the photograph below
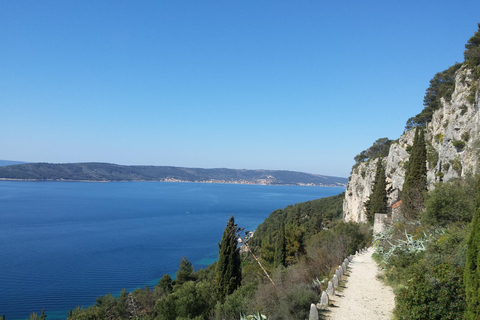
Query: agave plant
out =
(410, 244)
(257, 316)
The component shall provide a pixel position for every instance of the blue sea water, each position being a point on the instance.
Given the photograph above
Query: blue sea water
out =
(63, 244)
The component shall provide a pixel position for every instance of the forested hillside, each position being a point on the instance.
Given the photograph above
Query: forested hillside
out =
(113, 172)
(238, 284)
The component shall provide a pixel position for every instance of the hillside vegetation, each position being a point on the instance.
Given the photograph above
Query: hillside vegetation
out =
(237, 284)
(430, 250)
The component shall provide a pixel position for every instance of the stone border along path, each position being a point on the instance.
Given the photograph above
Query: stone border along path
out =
(364, 297)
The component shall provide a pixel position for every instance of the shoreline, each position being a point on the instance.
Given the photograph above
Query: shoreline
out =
(184, 181)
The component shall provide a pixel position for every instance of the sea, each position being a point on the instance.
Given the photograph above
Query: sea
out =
(63, 244)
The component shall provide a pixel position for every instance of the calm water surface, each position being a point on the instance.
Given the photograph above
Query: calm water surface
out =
(63, 244)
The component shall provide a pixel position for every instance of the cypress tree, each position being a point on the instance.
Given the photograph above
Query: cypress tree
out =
(377, 202)
(280, 247)
(415, 177)
(472, 270)
(228, 271)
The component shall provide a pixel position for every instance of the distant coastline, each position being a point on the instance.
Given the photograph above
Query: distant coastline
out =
(105, 172)
(184, 181)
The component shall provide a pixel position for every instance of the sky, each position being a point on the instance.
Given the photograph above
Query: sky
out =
(286, 85)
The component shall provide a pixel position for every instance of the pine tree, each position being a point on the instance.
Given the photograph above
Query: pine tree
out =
(415, 177)
(377, 202)
(228, 272)
(166, 283)
(185, 273)
(280, 247)
(472, 270)
(472, 52)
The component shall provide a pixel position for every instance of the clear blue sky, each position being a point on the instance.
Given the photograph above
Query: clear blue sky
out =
(294, 85)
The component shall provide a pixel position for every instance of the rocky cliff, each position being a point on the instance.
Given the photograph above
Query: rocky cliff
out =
(453, 149)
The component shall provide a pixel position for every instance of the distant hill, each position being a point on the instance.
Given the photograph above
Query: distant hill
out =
(112, 172)
(9, 163)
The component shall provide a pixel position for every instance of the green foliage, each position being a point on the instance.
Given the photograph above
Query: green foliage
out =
(166, 283)
(466, 136)
(290, 299)
(472, 52)
(345, 239)
(450, 202)
(432, 293)
(377, 202)
(191, 301)
(415, 177)
(434, 265)
(294, 243)
(185, 273)
(207, 274)
(256, 316)
(239, 302)
(312, 216)
(472, 270)
(441, 86)
(432, 156)
(379, 148)
(35, 316)
(228, 271)
(280, 247)
(459, 144)
(457, 165)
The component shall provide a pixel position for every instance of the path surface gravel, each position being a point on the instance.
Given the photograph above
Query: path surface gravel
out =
(364, 297)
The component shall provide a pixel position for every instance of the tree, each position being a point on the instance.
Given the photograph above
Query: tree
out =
(472, 270)
(228, 273)
(377, 202)
(166, 283)
(441, 86)
(472, 52)
(415, 177)
(185, 273)
(280, 247)
(379, 148)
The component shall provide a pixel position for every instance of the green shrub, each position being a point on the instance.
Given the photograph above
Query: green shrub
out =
(239, 302)
(446, 166)
(449, 202)
(459, 144)
(432, 293)
(432, 155)
(439, 137)
(472, 271)
(457, 165)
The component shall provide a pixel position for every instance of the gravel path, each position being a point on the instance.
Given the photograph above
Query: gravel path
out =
(364, 297)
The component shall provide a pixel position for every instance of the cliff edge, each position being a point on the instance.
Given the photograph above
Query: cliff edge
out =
(452, 139)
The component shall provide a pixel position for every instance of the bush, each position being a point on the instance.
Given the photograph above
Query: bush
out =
(432, 293)
(239, 302)
(449, 202)
(459, 144)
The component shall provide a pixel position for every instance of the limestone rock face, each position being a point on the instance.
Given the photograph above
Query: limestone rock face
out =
(358, 191)
(453, 150)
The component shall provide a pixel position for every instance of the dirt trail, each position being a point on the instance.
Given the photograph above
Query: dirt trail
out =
(364, 297)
